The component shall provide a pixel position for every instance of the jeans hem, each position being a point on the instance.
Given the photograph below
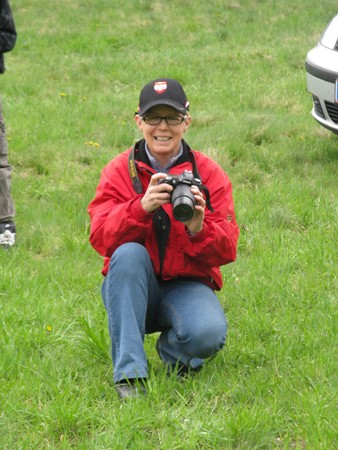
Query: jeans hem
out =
(129, 375)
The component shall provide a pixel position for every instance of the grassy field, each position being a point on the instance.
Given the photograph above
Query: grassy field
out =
(69, 95)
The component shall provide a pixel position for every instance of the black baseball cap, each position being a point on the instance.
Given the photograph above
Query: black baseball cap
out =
(163, 91)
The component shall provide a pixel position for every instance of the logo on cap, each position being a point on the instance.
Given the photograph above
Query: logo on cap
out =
(160, 86)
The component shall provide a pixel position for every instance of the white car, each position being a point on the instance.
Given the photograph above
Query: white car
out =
(322, 77)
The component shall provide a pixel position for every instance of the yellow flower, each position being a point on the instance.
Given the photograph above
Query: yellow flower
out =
(92, 144)
(62, 94)
(48, 329)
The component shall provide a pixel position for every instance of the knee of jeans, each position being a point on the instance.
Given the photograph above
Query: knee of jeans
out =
(130, 255)
(206, 341)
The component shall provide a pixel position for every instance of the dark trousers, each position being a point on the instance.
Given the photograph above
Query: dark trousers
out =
(6, 203)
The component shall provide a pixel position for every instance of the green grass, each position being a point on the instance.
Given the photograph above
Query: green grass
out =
(69, 95)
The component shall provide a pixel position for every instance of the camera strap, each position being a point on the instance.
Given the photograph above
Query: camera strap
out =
(137, 185)
(197, 175)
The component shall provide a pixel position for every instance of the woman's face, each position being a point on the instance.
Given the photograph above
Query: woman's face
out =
(163, 140)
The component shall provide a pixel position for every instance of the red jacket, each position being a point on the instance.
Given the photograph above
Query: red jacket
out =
(117, 217)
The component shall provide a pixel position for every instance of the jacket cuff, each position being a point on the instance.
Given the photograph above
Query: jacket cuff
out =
(200, 236)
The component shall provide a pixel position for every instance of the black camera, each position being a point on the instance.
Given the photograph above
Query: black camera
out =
(182, 198)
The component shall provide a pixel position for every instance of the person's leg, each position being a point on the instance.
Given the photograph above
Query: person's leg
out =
(130, 293)
(194, 322)
(6, 202)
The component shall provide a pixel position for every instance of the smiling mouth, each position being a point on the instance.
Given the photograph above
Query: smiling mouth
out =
(162, 139)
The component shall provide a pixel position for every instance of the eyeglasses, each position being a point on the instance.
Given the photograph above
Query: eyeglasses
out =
(170, 120)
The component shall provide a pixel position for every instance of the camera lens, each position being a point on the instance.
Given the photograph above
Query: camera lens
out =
(183, 202)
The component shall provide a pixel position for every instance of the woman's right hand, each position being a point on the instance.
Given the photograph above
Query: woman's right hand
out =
(156, 194)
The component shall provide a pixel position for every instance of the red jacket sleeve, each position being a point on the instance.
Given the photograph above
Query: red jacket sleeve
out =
(217, 241)
(116, 213)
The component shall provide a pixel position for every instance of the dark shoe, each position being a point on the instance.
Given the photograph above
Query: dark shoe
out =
(130, 389)
(181, 370)
(7, 233)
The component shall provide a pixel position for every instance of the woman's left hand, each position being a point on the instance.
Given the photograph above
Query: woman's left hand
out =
(195, 224)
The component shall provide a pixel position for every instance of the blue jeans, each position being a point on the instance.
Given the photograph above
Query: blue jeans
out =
(186, 312)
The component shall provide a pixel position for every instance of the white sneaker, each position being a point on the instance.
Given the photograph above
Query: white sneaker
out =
(7, 233)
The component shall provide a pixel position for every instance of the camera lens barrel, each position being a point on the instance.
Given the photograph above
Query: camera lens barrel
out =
(183, 202)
